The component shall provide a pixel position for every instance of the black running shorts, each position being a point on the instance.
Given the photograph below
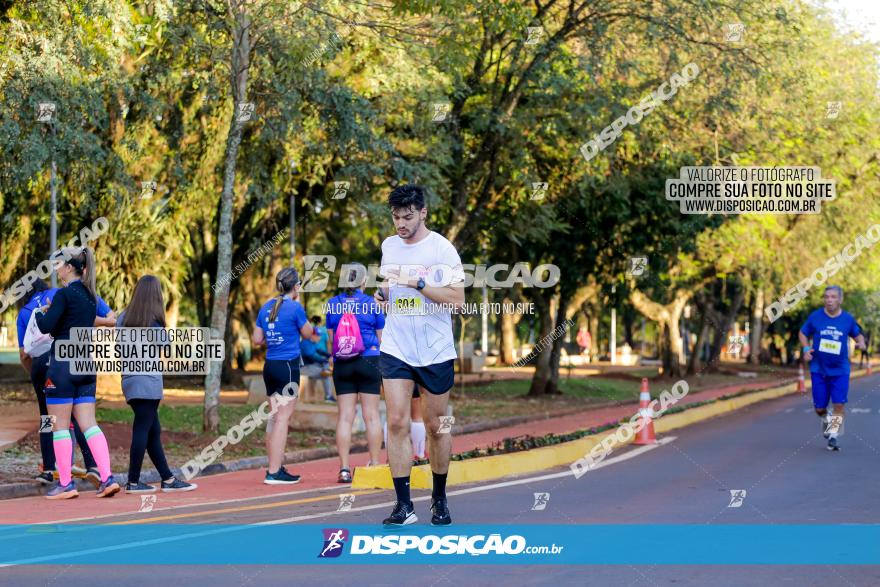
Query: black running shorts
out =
(437, 379)
(358, 375)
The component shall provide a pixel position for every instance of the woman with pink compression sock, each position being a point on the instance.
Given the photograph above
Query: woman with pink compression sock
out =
(74, 306)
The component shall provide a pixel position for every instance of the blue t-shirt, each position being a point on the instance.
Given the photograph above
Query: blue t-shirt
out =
(40, 299)
(282, 335)
(830, 341)
(367, 312)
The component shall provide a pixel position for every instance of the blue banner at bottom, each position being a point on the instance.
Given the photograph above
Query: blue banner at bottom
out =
(206, 544)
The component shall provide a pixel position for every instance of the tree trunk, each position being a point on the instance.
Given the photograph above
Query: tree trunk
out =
(543, 348)
(563, 326)
(757, 326)
(240, 62)
(508, 335)
(173, 313)
(694, 363)
(668, 317)
(723, 325)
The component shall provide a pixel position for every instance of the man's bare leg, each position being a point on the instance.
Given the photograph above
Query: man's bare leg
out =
(439, 452)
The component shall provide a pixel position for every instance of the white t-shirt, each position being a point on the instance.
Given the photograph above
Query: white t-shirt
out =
(417, 330)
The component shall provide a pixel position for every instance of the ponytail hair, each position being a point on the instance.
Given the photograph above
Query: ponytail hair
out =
(82, 259)
(285, 282)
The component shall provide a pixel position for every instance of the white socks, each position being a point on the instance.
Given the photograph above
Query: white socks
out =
(417, 434)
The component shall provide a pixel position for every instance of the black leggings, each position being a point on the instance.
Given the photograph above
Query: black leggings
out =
(39, 369)
(146, 437)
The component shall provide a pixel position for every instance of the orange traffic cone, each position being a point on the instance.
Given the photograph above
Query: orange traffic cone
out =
(646, 434)
(802, 386)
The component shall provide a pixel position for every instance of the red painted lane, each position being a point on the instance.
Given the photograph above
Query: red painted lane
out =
(320, 474)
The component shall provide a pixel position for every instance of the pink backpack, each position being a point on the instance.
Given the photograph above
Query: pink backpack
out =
(347, 340)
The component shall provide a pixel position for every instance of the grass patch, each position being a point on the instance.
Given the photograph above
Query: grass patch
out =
(596, 389)
(179, 418)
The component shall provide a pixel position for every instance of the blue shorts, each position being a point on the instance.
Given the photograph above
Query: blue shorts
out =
(437, 379)
(279, 374)
(62, 387)
(825, 387)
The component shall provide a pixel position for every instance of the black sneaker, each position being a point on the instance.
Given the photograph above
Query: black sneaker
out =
(832, 444)
(281, 477)
(440, 512)
(93, 476)
(403, 514)
(175, 484)
(138, 487)
(46, 478)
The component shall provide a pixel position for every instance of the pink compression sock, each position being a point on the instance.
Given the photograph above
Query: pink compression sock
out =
(63, 444)
(98, 444)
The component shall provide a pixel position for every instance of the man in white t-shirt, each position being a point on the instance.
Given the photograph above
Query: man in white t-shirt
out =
(425, 282)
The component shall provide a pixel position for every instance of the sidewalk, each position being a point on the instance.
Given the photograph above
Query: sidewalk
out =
(320, 473)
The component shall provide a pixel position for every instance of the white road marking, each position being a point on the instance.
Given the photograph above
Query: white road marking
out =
(608, 462)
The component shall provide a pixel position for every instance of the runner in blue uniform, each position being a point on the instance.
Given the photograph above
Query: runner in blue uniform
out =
(830, 329)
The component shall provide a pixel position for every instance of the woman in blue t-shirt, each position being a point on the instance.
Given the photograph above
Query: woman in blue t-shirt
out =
(357, 378)
(280, 323)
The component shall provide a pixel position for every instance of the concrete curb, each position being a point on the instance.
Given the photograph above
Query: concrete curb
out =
(530, 461)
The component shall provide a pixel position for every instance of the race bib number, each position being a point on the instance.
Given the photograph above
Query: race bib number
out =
(829, 346)
(410, 306)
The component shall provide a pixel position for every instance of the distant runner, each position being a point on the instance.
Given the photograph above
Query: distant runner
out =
(830, 329)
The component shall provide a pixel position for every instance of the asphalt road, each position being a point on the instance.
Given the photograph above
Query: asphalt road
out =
(773, 452)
